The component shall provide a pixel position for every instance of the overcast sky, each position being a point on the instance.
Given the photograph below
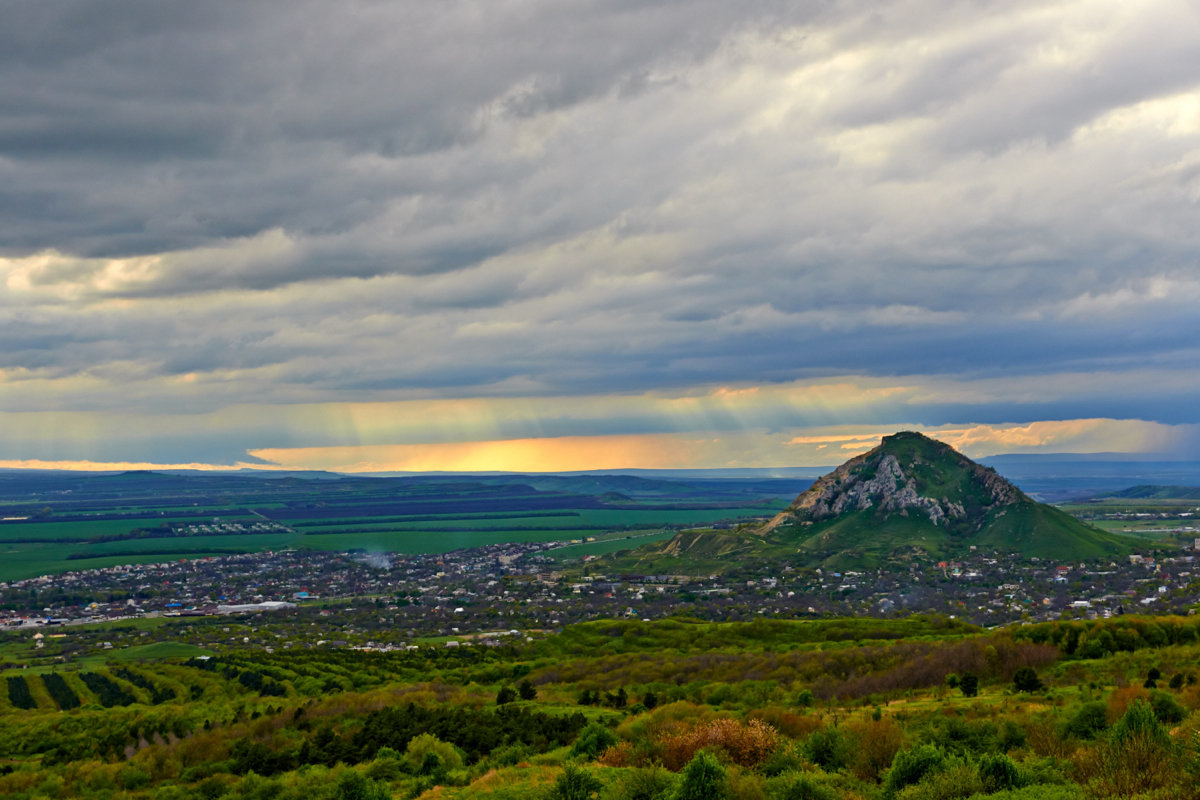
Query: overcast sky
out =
(479, 235)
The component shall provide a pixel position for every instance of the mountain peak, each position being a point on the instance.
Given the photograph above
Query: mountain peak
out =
(908, 474)
(910, 496)
(912, 491)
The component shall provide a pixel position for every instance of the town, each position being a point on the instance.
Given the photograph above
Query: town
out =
(385, 601)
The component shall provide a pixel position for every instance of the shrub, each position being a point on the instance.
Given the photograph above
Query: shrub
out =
(969, 684)
(745, 744)
(1139, 722)
(1026, 680)
(428, 755)
(620, 754)
(650, 783)
(1166, 708)
(353, 785)
(801, 787)
(789, 723)
(703, 779)
(1066, 792)
(827, 748)
(593, 740)
(954, 782)
(909, 766)
(877, 744)
(996, 772)
(575, 784)
(1138, 754)
(1089, 721)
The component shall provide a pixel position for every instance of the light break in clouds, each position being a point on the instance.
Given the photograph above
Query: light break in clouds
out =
(523, 234)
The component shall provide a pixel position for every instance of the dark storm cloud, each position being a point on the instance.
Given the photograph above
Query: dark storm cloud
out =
(253, 202)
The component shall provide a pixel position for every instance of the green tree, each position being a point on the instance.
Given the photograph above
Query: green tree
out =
(526, 691)
(353, 785)
(969, 684)
(593, 740)
(575, 784)
(1089, 721)
(703, 779)
(426, 754)
(1026, 680)
(909, 766)
(997, 772)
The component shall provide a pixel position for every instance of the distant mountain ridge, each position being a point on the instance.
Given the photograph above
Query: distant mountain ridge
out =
(909, 496)
(1156, 492)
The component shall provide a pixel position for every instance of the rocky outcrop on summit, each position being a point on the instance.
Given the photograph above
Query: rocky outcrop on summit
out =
(908, 473)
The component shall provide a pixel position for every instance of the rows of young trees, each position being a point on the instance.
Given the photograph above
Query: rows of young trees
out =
(60, 692)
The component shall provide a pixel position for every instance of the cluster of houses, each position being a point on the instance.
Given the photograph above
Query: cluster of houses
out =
(518, 586)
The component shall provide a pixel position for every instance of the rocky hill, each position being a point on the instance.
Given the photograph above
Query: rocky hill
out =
(910, 496)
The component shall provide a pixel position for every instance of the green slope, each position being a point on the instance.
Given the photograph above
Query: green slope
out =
(911, 496)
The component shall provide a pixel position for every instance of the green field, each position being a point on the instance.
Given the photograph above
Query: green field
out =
(417, 516)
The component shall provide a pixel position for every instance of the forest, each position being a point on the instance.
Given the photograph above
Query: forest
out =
(917, 707)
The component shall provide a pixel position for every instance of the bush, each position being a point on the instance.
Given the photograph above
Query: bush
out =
(1139, 723)
(955, 782)
(1065, 792)
(353, 785)
(1026, 680)
(876, 745)
(827, 748)
(703, 779)
(997, 771)
(909, 766)
(1138, 754)
(969, 684)
(426, 754)
(593, 740)
(1166, 708)
(651, 783)
(575, 784)
(747, 745)
(800, 787)
(131, 778)
(1089, 721)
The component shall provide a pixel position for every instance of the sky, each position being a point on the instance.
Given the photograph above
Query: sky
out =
(534, 235)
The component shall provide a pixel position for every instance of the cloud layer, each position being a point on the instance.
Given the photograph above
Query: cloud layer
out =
(240, 214)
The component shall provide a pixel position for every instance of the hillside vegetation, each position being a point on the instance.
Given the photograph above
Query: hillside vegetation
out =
(911, 495)
(921, 707)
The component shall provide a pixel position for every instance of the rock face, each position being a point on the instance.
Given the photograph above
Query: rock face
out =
(908, 474)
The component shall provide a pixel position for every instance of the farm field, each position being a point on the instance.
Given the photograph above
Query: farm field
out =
(66, 522)
(1172, 520)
